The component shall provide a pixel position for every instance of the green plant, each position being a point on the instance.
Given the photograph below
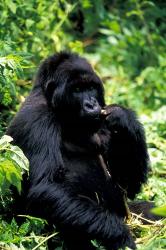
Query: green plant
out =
(13, 164)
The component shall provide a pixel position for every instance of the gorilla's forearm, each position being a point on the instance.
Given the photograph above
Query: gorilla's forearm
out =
(60, 206)
(126, 151)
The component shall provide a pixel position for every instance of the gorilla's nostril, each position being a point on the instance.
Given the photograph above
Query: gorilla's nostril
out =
(88, 106)
(91, 107)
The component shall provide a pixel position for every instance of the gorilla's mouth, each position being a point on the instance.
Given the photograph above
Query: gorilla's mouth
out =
(100, 115)
(91, 122)
(91, 117)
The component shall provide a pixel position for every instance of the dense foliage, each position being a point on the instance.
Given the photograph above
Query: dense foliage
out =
(126, 43)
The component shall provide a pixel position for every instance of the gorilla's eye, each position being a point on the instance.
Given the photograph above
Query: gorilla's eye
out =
(77, 89)
(91, 87)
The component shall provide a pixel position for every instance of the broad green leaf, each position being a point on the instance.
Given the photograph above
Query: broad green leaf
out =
(18, 157)
(114, 25)
(159, 210)
(11, 173)
(12, 6)
(5, 140)
(29, 23)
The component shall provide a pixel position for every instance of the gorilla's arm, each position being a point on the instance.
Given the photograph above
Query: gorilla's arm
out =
(34, 131)
(67, 209)
(126, 150)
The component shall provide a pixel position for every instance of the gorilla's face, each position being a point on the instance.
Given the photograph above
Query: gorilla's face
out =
(84, 100)
(76, 93)
(83, 96)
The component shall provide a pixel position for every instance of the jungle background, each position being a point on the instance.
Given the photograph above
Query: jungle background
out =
(126, 43)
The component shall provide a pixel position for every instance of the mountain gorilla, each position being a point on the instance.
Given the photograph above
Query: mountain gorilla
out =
(84, 161)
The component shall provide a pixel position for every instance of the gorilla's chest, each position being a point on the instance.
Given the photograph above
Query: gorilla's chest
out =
(84, 173)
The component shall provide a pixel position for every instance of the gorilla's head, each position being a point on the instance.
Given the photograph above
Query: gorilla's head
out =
(72, 89)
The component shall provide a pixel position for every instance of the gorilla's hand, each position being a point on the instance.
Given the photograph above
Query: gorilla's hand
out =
(120, 119)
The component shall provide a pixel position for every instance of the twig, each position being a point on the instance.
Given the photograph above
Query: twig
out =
(43, 241)
(157, 223)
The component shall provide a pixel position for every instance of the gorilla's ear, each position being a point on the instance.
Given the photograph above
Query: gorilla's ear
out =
(49, 88)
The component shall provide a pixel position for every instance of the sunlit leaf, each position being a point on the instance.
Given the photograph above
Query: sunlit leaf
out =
(159, 211)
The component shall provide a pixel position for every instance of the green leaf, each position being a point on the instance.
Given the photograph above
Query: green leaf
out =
(159, 210)
(5, 140)
(18, 157)
(11, 173)
(114, 25)
(29, 23)
(24, 228)
(12, 6)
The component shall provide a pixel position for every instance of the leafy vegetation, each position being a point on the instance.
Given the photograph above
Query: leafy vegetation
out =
(126, 43)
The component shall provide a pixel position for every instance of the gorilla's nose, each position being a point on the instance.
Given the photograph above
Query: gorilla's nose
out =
(91, 106)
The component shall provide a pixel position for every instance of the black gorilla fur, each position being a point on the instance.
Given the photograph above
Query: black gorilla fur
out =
(82, 165)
